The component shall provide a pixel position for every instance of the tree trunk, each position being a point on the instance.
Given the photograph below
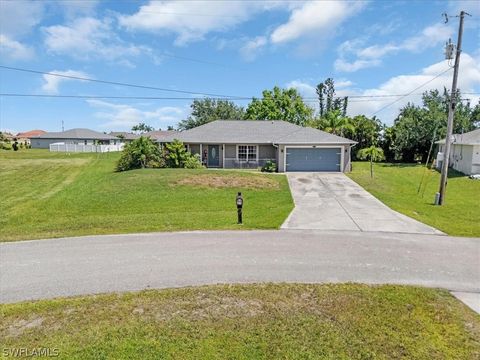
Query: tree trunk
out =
(371, 168)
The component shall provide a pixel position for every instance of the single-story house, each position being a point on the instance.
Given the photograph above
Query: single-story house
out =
(73, 136)
(159, 135)
(124, 136)
(24, 137)
(464, 152)
(251, 143)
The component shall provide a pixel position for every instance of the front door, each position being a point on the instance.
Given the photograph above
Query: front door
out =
(213, 156)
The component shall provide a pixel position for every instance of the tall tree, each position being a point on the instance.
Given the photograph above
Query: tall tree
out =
(207, 110)
(142, 128)
(327, 101)
(367, 131)
(280, 104)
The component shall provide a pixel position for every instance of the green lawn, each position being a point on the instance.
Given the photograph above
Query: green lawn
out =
(397, 184)
(249, 322)
(46, 195)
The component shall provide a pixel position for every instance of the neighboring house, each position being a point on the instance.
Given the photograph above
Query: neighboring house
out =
(160, 135)
(251, 143)
(24, 137)
(73, 136)
(124, 136)
(464, 153)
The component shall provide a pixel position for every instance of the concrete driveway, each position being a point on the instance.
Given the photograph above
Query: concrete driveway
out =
(332, 201)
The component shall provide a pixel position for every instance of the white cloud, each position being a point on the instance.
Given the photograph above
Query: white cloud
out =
(371, 56)
(14, 50)
(18, 18)
(469, 81)
(192, 20)
(252, 47)
(52, 82)
(123, 117)
(314, 17)
(87, 38)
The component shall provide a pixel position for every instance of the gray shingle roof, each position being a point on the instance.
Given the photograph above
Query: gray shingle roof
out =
(469, 138)
(124, 135)
(81, 134)
(255, 132)
(159, 135)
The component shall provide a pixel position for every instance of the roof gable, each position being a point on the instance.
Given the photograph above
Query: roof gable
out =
(255, 132)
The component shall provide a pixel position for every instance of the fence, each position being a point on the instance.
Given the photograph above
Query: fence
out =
(62, 147)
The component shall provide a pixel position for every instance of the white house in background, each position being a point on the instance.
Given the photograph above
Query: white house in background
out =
(77, 140)
(464, 153)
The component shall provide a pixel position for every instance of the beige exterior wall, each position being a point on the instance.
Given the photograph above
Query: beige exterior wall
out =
(464, 158)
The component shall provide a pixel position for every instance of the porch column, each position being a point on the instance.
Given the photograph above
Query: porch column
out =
(223, 155)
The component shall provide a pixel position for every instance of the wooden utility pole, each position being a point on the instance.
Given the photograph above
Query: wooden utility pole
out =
(451, 112)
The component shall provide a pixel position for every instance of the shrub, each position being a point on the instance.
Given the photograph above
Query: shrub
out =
(176, 154)
(140, 153)
(193, 162)
(270, 166)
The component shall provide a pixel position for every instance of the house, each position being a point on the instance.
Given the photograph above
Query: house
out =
(159, 135)
(464, 152)
(24, 137)
(251, 143)
(73, 136)
(124, 136)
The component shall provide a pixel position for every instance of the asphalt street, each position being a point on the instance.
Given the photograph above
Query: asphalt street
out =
(51, 268)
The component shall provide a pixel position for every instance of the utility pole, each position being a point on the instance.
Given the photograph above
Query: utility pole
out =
(63, 128)
(451, 112)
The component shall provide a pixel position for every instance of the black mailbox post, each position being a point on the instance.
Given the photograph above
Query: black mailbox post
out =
(239, 202)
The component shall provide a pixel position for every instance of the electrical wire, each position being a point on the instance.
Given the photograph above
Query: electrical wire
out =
(115, 82)
(411, 92)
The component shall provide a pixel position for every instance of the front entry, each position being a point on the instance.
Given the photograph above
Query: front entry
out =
(213, 156)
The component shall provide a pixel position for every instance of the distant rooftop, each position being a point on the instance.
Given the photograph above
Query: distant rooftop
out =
(255, 131)
(468, 138)
(124, 135)
(80, 134)
(29, 134)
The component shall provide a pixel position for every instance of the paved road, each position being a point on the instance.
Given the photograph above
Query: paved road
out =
(332, 201)
(96, 264)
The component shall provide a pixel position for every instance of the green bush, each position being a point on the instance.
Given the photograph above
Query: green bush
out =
(140, 153)
(193, 162)
(5, 145)
(270, 166)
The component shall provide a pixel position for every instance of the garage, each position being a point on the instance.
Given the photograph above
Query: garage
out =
(313, 159)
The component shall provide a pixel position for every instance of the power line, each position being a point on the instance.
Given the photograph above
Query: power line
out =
(115, 97)
(411, 92)
(116, 83)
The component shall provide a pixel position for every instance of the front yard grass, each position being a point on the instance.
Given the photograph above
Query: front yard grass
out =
(45, 195)
(284, 321)
(396, 185)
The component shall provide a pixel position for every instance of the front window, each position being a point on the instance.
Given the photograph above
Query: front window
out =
(247, 153)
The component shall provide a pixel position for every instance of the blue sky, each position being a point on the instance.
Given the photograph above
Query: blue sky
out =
(235, 48)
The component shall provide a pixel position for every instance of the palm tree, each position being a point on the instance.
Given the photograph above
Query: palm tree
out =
(371, 153)
(334, 123)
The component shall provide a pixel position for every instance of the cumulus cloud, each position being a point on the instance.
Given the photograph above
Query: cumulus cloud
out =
(86, 38)
(314, 17)
(469, 81)
(52, 83)
(252, 47)
(371, 56)
(14, 50)
(192, 20)
(18, 18)
(123, 117)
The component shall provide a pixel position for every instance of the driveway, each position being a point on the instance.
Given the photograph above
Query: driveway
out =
(96, 264)
(332, 201)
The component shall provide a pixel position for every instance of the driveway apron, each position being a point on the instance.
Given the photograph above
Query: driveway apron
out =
(332, 201)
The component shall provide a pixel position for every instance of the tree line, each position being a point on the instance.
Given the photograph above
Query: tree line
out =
(408, 139)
